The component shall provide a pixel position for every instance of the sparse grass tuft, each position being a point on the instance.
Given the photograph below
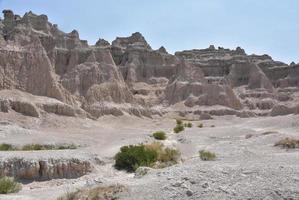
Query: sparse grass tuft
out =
(207, 155)
(160, 135)
(188, 124)
(288, 143)
(69, 196)
(178, 128)
(166, 156)
(179, 122)
(169, 155)
(9, 185)
(200, 125)
(95, 193)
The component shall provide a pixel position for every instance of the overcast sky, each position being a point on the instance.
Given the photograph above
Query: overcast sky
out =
(259, 26)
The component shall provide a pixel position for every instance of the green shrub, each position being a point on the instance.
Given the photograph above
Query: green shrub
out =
(131, 157)
(189, 125)
(179, 122)
(154, 155)
(178, 128)
(200, 125)
(207, 155)
(6, 147)
(9, 185)
(159, 135)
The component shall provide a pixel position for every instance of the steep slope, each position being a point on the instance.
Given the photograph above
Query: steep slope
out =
(129, 77)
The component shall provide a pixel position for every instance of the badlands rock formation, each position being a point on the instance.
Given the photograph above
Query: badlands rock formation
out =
(43, 169)
(44, 70)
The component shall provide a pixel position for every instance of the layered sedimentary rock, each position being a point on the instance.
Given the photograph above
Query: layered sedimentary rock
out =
(43, 169)
(128, 76)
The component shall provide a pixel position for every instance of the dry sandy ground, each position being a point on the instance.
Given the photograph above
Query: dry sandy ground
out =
(245, 168)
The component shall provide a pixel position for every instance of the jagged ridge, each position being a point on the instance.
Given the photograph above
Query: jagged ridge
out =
(129, 77)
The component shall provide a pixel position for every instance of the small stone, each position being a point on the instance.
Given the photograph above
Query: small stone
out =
(189, 193)
(177, 184)
(205, 185)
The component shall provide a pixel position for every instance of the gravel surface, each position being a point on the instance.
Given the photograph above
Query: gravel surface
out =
(248, 166)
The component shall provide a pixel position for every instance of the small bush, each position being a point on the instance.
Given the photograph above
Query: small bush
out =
(288, 143)
(131, 157)
(169, 155)
(6, 147)
(179, 122)
(189, 125)
(9, 185)
(166, 156)
(207, 155)
(178, 128)
(155, 146)
(159, 135)
(154, 155)
(212, 126)
(200, 125)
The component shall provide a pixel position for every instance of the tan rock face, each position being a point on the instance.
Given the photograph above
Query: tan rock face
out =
(47, 169)
(128, 76)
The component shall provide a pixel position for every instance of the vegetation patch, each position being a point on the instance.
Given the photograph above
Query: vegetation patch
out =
(207, 155)
(166, 156)
(95, 193)
(188, 124)
(200, 125)
(178, 128)
(179, 122)
(288, 143)
(159, 135)
(154, 155)
(36, 147)
(131, 157)
(9, 185)
(6, 147)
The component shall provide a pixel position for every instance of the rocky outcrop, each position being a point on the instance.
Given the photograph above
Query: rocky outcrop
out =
(35, 106)
(25, 108)
(129, 77)
(44, 169)
(281, 110)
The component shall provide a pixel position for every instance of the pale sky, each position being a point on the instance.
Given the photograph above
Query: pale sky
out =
(259, 26)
